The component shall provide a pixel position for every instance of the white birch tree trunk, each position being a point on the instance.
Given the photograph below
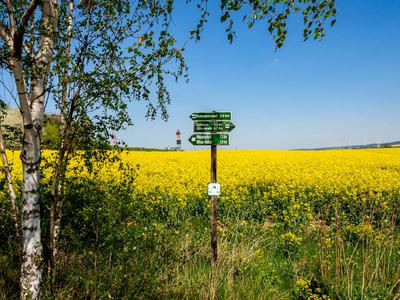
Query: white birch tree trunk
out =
(30, 222)
(30, 156)
(31, 242)
(32, 110)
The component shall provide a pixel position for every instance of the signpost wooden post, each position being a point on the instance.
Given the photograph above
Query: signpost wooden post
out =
(212, 122)
(214, 205)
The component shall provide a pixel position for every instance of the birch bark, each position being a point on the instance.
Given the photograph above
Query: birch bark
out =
(30, 223)
(32, 111)
(31, 104)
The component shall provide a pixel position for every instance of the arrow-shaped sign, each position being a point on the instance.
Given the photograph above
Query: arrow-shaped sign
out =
(211, 116)
(210, 139)
(213, 126)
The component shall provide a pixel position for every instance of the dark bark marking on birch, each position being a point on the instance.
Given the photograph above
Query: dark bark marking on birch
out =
(31, 212)
(31, 229)
(25, 215)
(29, 269)
(32, 191)
(30, 167)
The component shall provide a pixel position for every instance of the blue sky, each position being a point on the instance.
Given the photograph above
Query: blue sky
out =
(345, 89)
(305, 95)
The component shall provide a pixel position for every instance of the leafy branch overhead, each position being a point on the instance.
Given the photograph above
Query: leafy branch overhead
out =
(119, 50)
(276, 13)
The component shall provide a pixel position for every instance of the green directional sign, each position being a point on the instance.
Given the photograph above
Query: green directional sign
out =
(213, 126)
(211, 116)
(210, 139)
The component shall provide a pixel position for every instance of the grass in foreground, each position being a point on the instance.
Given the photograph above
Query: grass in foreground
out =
(256, 261)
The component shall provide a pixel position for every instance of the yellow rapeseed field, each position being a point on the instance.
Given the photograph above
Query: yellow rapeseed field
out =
(298, 178)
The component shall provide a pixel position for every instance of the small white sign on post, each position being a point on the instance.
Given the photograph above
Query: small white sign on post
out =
(214, 189)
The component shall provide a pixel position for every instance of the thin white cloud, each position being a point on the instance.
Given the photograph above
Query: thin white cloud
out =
(275, 60)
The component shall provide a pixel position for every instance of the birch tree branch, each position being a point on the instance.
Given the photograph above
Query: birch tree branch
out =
(11, 17)
(6, 62)
(19, 34)
(5, 35)
(28, 13)
(28, 51)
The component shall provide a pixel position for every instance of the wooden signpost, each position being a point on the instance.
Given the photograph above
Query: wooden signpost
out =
(211, 116)
(212, 123)
(213, 126)
(209, 139)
